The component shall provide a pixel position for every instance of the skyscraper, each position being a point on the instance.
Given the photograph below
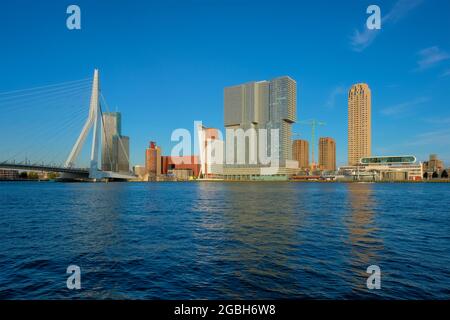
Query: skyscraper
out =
(111, 129)
(115, 147)
(327, 154)
(122, 143)
(263, 105)
(282, 112)
(359, 123)
(246, 106)
(300, 153)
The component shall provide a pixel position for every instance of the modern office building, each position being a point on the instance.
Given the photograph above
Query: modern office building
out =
(122, 144)
(153, 160)
(385, 168)
(327, 154)
(260, 105)
(300, 153)
(246, 106)
(111, 129)
(359, 123)
(115, 147)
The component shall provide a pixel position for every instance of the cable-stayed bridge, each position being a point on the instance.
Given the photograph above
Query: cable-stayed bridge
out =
(47, 129)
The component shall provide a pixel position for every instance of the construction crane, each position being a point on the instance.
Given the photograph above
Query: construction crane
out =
(314, 124)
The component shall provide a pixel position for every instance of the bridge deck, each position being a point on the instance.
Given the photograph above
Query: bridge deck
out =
(45, 168)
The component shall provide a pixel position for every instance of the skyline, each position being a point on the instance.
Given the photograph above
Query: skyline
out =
(155, 67)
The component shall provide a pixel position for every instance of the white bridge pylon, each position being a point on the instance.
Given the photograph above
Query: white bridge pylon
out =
(93, 122)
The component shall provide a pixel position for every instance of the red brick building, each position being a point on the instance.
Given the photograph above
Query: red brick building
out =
(184, 162)
(153, 159)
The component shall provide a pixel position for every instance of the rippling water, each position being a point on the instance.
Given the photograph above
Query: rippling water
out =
(224, 240)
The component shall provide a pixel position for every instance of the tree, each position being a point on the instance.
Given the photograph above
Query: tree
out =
(33, 176)
(444, 174)
(52, 175)
(425, 175)
(435, 175)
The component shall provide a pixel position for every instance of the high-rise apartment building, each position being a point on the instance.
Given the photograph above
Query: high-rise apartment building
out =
(300, 153)
(263, 105)
(359, 123)
(115, 147)
(327, 154)
(282, 112)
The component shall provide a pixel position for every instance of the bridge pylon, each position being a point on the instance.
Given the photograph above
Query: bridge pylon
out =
(94, 123)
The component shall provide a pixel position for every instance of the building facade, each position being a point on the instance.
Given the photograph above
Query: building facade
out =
(6, 174)
(327, 154)
(169, 163)
(140, 171)
(384, 168)
(111, 129)
(122, 145)
(211, 152)
(259, 105)
(115, 147)
(153, 160)
(359, 123)
(283, 113)
(433, 165)
(300, 153)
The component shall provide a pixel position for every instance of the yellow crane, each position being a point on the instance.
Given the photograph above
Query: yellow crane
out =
(314, 124)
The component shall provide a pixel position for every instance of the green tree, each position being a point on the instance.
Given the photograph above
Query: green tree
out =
(435, 175)
(33, 176)
(425, 175)
(444, 174)
(52, 175)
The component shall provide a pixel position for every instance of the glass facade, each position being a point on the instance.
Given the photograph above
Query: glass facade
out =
(388, 160)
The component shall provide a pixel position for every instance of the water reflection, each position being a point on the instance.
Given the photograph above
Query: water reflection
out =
(96, 236)
(363, 238)
(256, 237)
(224, 240)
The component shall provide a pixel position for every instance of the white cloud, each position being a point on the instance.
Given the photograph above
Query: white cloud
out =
(433, 138)
(429, 57)
(446, 73)
(360, 40)
(442, 120)
(404, 107)
(337, 91)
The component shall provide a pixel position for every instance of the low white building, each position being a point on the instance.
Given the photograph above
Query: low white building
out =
(384, 168)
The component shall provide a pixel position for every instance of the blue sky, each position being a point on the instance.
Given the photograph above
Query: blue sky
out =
(164, 64)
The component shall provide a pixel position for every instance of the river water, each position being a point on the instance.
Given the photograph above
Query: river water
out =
(213, 240)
